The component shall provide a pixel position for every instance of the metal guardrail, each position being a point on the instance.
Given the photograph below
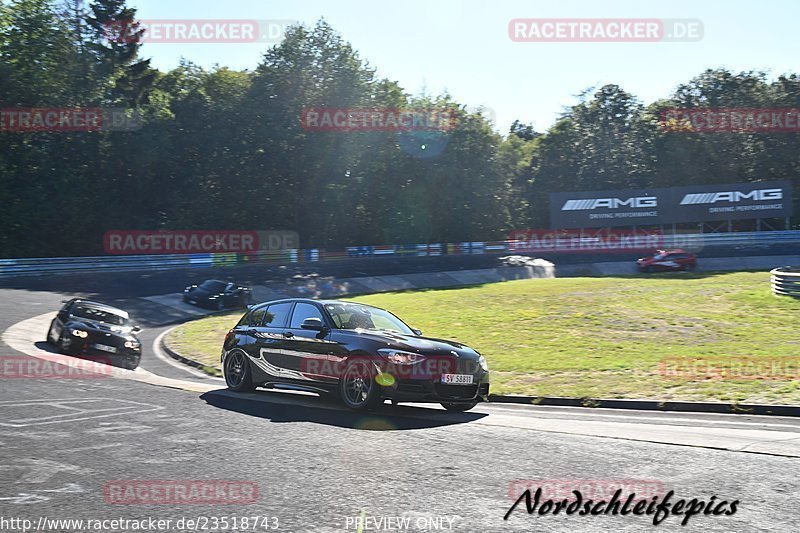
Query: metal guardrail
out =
(785, 281)
(110, 263)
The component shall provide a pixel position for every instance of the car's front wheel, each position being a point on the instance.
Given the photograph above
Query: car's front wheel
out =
(460, 407)
(237, 372)
(357, 387)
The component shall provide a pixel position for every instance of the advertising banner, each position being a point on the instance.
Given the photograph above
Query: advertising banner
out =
(696, 203)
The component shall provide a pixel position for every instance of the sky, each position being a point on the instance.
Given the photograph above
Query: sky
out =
(463, 47)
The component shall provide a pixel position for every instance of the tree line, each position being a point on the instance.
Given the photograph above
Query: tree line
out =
(224, 149)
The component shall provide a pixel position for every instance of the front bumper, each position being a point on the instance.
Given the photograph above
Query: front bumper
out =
(89, 347)
(432, 390)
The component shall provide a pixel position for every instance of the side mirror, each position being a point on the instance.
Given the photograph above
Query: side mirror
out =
(314, 324)
(136, 329)
(417, 332)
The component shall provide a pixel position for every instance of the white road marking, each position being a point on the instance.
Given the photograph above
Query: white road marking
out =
(127, 408)
(664, 420)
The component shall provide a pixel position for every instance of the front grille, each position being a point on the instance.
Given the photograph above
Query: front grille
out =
(410, 387)
(456, 391)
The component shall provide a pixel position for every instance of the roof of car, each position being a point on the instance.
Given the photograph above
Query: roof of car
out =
(103, 307)
(311, 300)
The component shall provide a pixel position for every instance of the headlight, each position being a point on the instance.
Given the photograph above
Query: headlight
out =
(131, 344)
(80, 333)
(483, 363)
(400, 357)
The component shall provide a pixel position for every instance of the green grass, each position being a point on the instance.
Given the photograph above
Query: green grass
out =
(595, 337)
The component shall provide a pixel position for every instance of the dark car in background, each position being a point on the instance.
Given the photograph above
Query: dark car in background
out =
(87, 328)
(667, 261)
(363, 354)
(216, 294)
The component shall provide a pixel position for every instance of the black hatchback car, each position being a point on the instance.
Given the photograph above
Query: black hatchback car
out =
(87, 328)
(362, 353)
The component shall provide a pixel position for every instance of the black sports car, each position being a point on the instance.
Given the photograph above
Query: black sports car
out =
(83, 327)
(363, 353)
(216, 294)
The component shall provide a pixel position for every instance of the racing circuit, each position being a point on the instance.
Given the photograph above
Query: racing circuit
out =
(319, 467)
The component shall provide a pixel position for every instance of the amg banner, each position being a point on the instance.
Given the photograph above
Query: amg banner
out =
(696, 203)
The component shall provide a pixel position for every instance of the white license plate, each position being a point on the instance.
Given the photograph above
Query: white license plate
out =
(104, 348)
(457, 379)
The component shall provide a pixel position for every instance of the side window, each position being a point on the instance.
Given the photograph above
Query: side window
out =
(303, 311)
(276, 315)
(257, 316)
(229, 287)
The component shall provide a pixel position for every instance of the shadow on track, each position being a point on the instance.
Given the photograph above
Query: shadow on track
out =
(281, 407)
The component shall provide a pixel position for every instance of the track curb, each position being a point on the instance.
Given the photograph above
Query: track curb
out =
(651, 405)
(188, 361)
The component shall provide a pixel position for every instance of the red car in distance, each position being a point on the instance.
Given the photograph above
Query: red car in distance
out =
(667, 261)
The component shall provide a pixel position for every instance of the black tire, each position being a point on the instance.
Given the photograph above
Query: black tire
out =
(237, 373)
(460, 407)
(130, 364)
(357, 388)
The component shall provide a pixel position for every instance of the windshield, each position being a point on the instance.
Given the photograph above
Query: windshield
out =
(354, 316)
(98, 315)
(213, 285)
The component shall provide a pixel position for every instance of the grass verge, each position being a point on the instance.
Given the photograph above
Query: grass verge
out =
(664, 337)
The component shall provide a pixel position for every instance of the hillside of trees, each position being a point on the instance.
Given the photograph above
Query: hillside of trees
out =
(224, 149)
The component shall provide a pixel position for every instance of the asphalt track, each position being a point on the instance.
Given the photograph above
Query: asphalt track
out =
(317, 466)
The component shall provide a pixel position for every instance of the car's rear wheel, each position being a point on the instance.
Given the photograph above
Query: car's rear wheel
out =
(357, 387)
(460, 407)
(244, 299)
(237, 372)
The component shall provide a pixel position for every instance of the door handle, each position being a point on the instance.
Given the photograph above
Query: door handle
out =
(288, 334)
